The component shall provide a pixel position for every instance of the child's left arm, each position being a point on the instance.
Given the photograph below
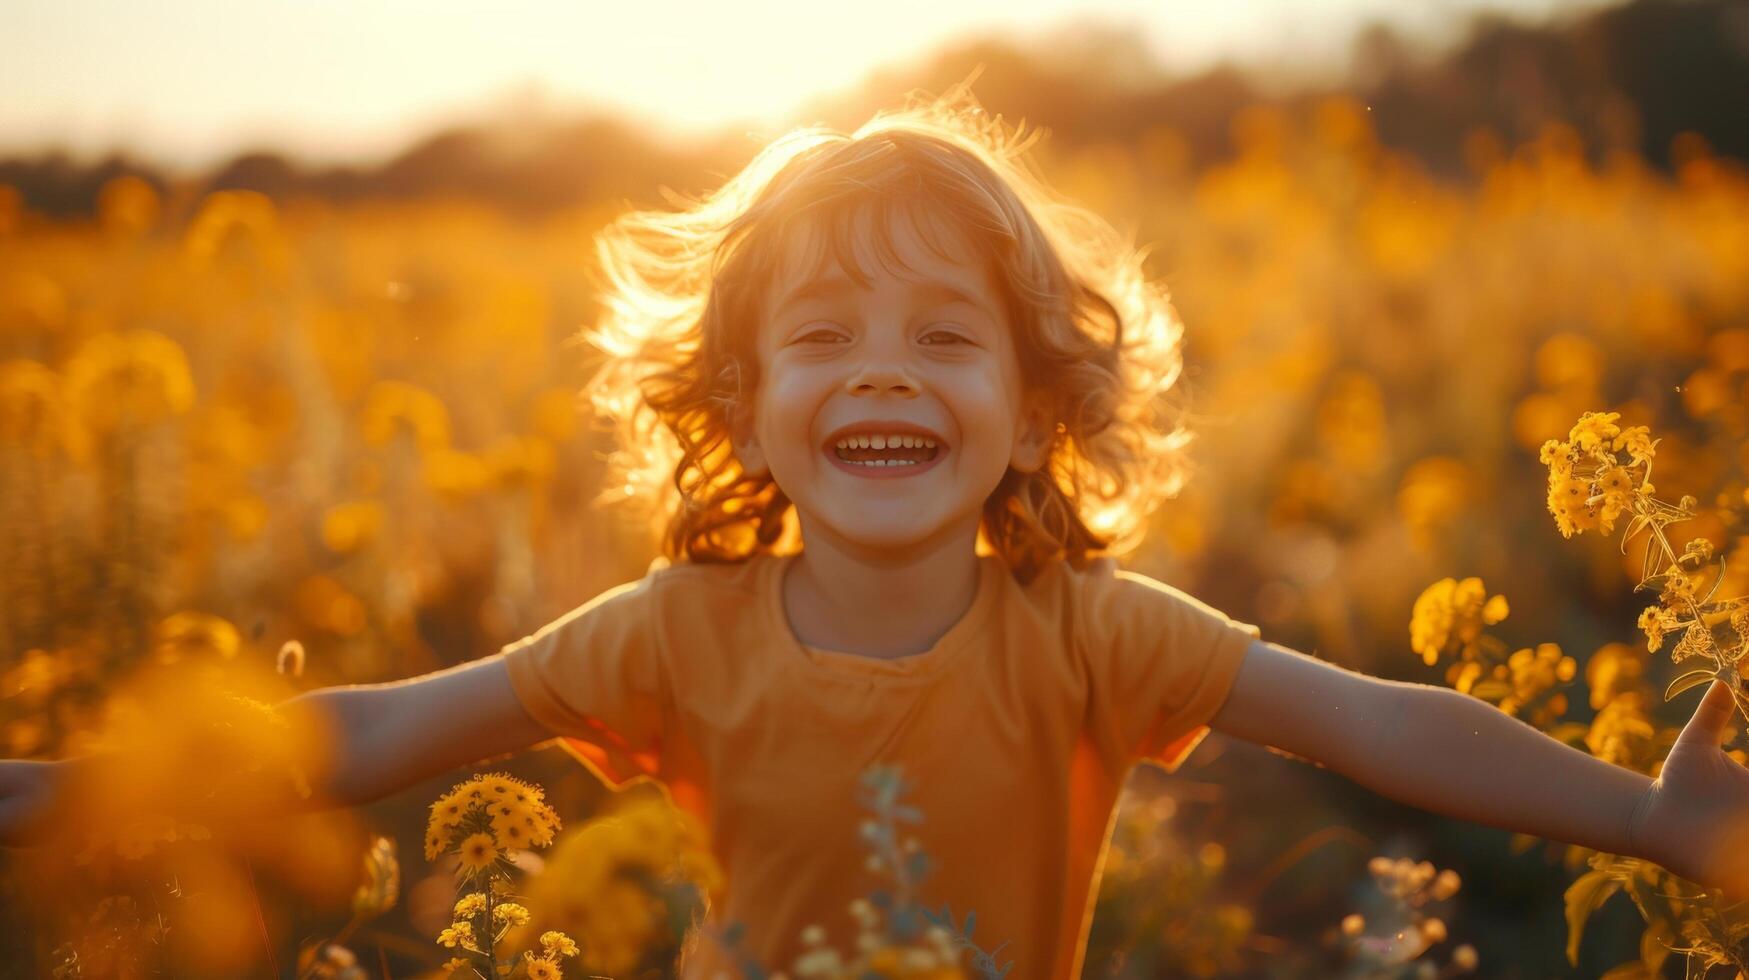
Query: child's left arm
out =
(1450, 753)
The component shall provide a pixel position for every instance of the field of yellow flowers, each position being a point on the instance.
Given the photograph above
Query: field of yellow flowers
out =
(250, 447)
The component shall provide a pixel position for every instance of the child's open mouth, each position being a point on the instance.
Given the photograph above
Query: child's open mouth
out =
(886, 455)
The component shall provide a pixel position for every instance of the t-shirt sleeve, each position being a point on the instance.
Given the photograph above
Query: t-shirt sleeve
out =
(1160, 663)
(595, 677)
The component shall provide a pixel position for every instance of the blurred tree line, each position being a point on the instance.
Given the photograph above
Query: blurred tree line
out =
(1629, 77)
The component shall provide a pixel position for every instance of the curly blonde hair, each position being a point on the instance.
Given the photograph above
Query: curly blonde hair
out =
(1098, 342)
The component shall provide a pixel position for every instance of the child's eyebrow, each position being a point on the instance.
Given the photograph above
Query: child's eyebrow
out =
(827, 287)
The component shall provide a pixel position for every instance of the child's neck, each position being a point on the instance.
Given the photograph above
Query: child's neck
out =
(838, 599)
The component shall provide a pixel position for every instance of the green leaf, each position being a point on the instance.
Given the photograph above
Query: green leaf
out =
(1687, 681)
(1584, 895)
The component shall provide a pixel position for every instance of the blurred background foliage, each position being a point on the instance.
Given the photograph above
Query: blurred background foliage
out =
(339, 405)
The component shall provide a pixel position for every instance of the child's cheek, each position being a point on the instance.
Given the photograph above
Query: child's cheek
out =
(790, 407)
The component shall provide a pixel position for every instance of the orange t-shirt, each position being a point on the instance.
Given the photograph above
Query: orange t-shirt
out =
(1015, 732)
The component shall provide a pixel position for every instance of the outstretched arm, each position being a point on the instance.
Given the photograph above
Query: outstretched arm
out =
(1439, 750)
(1432, 748)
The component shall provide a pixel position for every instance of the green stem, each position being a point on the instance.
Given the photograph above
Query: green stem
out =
(491, 945)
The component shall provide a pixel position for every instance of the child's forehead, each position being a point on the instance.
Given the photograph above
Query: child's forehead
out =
(913, 243)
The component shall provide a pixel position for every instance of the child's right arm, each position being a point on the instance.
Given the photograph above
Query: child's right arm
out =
(384, 738)
(392, 735)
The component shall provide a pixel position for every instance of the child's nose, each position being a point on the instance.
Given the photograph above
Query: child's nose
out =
(876, 378)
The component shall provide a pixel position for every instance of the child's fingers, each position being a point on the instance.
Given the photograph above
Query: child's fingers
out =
(1707, 727)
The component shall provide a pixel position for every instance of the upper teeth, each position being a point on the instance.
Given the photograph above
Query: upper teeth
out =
(886, 442)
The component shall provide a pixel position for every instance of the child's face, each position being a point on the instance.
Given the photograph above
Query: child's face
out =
(927, 354)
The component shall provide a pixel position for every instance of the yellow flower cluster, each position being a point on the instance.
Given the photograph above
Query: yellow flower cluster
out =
(1655, 621)
(489, 815)
(1589, 485)
(119, 382)
(1449, 617)
(1614, 669)
(1451, 614)
(610, 882)
(1589, 488)
(184, 749)
(480, 820)
(1622, 733)
(459, 933)
(1532, 676)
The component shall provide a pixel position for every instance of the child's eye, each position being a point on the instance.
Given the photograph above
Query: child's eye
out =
(829, 335)
(950, 336)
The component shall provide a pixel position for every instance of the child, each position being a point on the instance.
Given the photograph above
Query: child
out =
(905, 405)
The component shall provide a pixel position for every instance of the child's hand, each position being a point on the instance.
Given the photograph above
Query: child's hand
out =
(1694, 820)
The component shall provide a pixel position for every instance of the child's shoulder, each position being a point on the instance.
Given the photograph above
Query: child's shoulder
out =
(701, 581)
(1102, 585)
(685, 593)
(1064, 581)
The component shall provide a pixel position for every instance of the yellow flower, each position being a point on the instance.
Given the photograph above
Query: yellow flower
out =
(1450, 609)
(1638, 441)
(1464, 675)
(557, 942)
(1534, 672)
(497, 785)
(1620, 731)
(1594, 430)
(510, 836)
(448, 811)
(509, 811)
(471, 792)
(510, 913)
(1656, 621)
(458, 933)
(540, 836)
(478, 852)
(471, 905)
(1615, 480)
(434, 843)
(1567, 502)
(542, 968)
(1697, 552)
(396, 406)
(128, 379)
(595, 884)
(1614, 668)
(1554, 453)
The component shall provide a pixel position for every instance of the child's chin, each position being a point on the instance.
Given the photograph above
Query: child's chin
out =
(890, 534)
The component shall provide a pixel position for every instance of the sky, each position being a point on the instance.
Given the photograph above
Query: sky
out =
(186, 83)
